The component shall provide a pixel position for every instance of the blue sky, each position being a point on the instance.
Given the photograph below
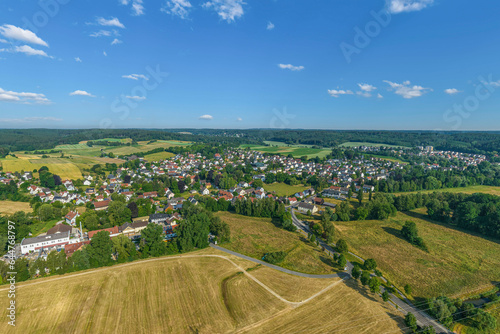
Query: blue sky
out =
(323, 64)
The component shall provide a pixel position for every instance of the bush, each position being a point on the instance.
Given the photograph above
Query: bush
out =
(275, 257)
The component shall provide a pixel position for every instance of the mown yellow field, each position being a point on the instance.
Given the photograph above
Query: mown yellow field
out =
(10, 207)
(62, 167)
(186, 295)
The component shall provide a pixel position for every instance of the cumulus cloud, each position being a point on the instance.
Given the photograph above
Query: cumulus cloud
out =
(206, 117)
(30, 119)
(270, 26)
(239, 119)
(27, 50)
(112, 22)
(338, 92)
(81, 93)
(379, 96)
(78, 60)
(406, 90)
(135, 76)
(401, 6)
(452, 91)
(228, 10)
(291, 67)
(12, 32)
(178, 8)
(22, 97)
(116, 41)
(366, 89)
(494, 83)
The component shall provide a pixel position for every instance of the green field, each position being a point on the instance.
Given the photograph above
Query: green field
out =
(283, 189)
(465, 190)
(257, 236)
(457, 262)
(357, 144)
(158, 156)
(297, 151)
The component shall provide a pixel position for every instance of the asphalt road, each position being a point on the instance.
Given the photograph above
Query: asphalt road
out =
(291, 272)
(423, 319)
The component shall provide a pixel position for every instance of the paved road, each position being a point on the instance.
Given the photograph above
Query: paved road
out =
(423, 319)
(291, 272)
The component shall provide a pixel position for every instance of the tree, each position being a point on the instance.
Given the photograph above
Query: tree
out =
(408, 289)
(134, 210)
(45, 212)
(152, 243)
(365, 278)
(123, 248)
(342, 246)
(411, 322)
(100, 249)
(342, 261)
(386, 296)
(356, 272)
(374, 284)
(370, 264)
(118, 213)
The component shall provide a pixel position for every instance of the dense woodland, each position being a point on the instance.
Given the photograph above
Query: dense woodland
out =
(46, 139)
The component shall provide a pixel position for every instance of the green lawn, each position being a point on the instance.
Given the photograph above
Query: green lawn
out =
(456, 263)
(283, 189)
(42, 227)
(257, 236)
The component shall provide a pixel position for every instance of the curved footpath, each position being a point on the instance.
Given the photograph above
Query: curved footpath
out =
(291, 272)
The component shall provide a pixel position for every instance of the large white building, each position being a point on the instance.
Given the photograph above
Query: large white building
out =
(57, 240)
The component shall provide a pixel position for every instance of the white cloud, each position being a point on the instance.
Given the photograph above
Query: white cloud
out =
(135, 76)
(406, 90)
(23, 97)
(112, 22)
(27, 50)
(81, 93)
(29, 119)
(239, 119)
(366, 87)
(379, 96)
(105, 33)
(136, 97)
(179, 8)
(228, 10)
(290, 67)
(270, 25)
(104, 53)
(401, 6)
(78, 60)
(12, 32)
(206, 117)
(493, 83)
(3, 41)
(137, 7)
(116, 41)
(337, 93)
(452, 91)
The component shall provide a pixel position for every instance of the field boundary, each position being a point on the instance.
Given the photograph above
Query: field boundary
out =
(268, 289)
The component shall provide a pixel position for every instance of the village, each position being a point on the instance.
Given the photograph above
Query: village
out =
(193, 177)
